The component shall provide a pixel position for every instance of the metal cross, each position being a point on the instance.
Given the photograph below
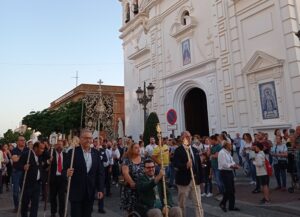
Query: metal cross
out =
(100, 82)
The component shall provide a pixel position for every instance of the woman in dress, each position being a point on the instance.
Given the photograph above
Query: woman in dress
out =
(132, 169)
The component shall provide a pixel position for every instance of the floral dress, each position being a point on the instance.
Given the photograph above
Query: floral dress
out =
(128, 195)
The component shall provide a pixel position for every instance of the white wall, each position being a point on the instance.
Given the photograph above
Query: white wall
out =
(225, 38)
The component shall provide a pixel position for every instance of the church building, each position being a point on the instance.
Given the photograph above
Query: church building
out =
(230, 65)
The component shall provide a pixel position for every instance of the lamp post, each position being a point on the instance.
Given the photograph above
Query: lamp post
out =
(144, 97)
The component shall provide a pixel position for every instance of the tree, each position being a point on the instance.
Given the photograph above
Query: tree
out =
(63, 119)
(9, 136)
(150, 128)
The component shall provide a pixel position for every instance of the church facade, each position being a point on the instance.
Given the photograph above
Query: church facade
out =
(229, 65)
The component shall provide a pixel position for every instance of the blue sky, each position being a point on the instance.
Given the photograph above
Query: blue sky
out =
(44, 42)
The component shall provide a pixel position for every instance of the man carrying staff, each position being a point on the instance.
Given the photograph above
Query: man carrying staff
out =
(32, 186)
(183, 178)
(150, 194)
(57, 180)
(87, 176)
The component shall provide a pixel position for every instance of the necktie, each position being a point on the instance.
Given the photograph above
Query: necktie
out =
(59, 164)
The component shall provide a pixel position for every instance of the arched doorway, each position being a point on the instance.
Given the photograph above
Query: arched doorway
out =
(195, 112)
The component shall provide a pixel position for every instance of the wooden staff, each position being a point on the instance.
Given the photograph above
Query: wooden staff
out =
(48, 180)
(162, 167)
(23, 185)
(69, 182)
(187, 147)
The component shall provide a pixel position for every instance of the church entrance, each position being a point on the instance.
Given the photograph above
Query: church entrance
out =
(195, 110)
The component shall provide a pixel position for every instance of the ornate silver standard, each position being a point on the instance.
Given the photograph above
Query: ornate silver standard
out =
(23, 185)
(69, 182)
(186, 144)
(162, 167)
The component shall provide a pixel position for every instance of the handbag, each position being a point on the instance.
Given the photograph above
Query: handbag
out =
(268, 167)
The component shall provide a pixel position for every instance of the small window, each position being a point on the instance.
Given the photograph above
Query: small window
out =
(184, 17)
(127, 13)
(136, 7)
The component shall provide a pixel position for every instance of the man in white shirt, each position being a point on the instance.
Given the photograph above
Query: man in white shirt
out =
(116, 160)
(226, 166)
(108, 166)
(150, 147)
(57, 180)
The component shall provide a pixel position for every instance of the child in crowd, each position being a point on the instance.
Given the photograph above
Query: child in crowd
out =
(261, 172)
(207, 172)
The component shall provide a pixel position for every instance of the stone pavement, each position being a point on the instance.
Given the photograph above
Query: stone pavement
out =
(284, 204)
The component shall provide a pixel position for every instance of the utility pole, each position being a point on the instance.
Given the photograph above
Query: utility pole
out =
(76, 77)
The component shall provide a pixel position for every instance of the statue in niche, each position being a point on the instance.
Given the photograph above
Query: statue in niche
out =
(120, 128)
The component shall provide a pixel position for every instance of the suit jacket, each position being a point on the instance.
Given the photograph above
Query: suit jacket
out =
(54, 166)
(32, 173)
(83, 184)
(146, 195)
(182, 174)
(44, 173)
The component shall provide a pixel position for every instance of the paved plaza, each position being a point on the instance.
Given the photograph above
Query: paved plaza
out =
(284, 204)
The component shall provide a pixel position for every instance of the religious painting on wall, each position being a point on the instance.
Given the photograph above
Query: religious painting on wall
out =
(268, 100)
(186, 52)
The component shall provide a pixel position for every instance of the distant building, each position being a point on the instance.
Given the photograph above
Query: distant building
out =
(115, 93)
(229, 65)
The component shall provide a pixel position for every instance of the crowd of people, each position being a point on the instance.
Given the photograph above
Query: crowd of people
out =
(145, 173)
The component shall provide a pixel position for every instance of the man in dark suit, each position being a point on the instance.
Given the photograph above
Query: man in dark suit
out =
(183, 175)
(57, 180)
(33, 180)
(87, 176)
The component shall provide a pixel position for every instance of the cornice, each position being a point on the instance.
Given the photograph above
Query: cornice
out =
(207, 66)
(139, 53)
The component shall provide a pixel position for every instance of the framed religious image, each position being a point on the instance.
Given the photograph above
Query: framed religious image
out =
(53, 138)
(268, 100)
(186, 52)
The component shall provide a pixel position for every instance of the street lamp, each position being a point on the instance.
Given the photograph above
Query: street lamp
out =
(144, 97)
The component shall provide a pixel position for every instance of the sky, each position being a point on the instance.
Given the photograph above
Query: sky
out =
(42, 45)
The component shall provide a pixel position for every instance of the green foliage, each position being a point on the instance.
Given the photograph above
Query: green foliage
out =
(9, 137)
(150, 128)
(64, 119)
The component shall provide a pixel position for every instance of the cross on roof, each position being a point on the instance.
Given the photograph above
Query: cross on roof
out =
(100, 82)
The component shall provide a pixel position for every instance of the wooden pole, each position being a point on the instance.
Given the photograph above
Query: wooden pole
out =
(162, 168)
(69, 182)
(23, 185)
(199, 206)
